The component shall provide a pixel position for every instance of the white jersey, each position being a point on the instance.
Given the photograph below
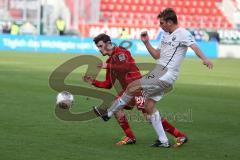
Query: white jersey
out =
(173, 48)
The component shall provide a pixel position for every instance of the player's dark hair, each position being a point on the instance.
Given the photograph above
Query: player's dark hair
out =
(168, 14)
(102, 37)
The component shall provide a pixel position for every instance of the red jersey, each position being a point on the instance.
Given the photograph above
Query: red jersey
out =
(121, 66)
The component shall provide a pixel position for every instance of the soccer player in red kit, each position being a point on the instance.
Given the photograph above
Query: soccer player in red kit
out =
(121, 66)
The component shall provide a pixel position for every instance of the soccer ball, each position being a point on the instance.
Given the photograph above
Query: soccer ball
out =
(64, 100)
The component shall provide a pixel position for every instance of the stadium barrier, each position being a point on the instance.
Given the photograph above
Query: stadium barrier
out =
(76, 45)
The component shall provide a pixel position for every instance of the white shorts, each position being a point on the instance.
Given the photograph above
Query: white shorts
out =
(152, 85)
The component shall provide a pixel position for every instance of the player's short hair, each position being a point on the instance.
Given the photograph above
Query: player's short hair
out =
(102, 37)
(168, 14)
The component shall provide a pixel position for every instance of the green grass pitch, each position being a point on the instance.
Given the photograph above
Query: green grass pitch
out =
(29, 129)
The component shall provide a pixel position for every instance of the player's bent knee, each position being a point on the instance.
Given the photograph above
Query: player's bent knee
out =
(150, 106)
(150, 111)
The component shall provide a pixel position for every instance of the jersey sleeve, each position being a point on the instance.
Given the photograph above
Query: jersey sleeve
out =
(159, 45)
(108, 83)
(187, 39)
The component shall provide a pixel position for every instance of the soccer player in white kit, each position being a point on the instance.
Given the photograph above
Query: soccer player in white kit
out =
(169, 55)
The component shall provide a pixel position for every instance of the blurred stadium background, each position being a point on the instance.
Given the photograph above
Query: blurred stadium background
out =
(208, 20)
(204, 104)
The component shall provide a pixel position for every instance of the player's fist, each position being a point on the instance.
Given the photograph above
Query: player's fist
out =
(144, 37)
(102, 65)
(208, 63)
(88, 79)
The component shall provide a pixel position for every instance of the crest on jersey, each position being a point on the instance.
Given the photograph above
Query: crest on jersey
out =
(121, 57)
(174, 38)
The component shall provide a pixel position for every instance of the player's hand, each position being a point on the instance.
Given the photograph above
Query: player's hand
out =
(102, 65)
(144, 37)
(208, 63)
(88, 79)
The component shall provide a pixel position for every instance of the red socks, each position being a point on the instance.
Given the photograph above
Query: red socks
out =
(171, 129)
(123, 122)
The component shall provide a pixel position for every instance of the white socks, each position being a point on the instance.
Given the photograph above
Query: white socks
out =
(119, 104)
(157, 125)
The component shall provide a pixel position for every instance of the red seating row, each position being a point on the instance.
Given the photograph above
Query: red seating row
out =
(191, 13)
(202, 3)
(157, 9)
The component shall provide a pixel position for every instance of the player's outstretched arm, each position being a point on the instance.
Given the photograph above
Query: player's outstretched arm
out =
(201, 55)
(154, 52)
(107, 84)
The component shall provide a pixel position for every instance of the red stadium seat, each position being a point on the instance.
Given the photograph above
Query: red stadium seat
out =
(126, 8)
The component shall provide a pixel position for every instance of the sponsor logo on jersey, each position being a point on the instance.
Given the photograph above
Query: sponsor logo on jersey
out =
(121, 57)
